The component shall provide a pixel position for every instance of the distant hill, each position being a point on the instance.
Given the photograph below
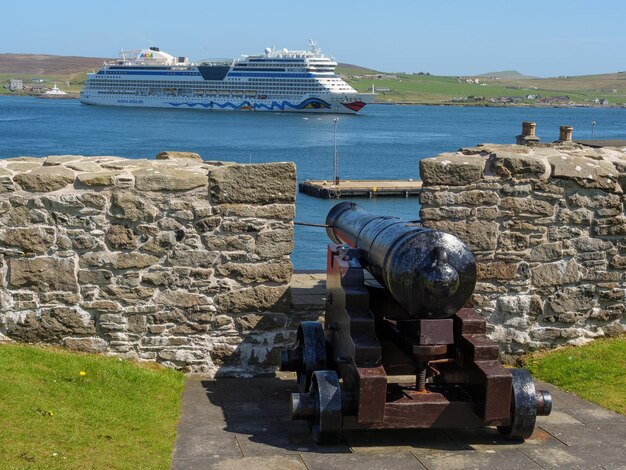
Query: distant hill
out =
(506, 75)
(48, 65)
(355, 69)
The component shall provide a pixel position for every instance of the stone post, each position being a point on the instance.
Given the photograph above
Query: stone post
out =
(565, 133)
(527, 137)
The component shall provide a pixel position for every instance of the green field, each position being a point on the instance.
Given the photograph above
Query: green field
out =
(596, 371)
(427, 89)
(63, 410)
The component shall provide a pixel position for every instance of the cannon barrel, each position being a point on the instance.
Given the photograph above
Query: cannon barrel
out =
(431, 274)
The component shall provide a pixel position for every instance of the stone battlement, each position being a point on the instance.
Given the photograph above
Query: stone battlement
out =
(176, 260)
(547, 224)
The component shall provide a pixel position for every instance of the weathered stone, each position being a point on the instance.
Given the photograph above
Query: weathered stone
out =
(554, 274)
(254, 299)
(526, 206)
(166, 179)
(68, 298)
(103, 306)
(453, 169)
(520, 165)
(56, 160)
(182, 299)
(43, 274)
(512, 241)
(273, 244)
(574, 217)
(121, 237)
(477, 234)
(264, 322)
(207, 224)
(194, 258)
(134, 260)
(158, 278)
(45, 179)
(95, 200)
(268, 211)
(96, 259)
(496, 270)
(23, 216)
(225, 355)
(160, 244)
(100, 178)
(585, 172)
(618, 262)
(223, 242)
(445, 213)
(88, 345)
(263, 183)
(176, 155)
(51, 325)
(30, 240)
(572, 299)
(84, 165)
(519, 305)
(257, 272)
(236, 225)
(96, 277)
(127, 293)
(127, 205)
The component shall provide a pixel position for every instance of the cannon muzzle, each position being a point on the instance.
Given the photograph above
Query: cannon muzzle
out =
(431, 274)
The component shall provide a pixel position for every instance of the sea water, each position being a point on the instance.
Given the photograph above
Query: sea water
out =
(382, 142)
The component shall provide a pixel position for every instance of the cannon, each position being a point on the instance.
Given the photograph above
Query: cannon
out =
(399, 349)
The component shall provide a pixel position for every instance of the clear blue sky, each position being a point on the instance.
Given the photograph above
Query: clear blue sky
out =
(544, 38)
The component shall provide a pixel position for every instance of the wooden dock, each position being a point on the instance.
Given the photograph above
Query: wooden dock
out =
(361, 188)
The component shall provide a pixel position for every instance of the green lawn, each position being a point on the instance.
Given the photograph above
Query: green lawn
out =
(596, 371)
(63, 410)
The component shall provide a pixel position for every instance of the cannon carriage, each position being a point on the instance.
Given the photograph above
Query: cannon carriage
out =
(398, 348)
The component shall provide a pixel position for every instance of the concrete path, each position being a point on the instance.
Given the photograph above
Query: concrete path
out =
(244, 424)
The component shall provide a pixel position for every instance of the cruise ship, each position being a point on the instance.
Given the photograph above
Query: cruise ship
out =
(277, 80)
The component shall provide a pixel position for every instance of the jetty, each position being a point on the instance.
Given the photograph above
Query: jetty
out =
(328, 189)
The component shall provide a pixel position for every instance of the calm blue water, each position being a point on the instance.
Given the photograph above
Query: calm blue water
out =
(385, 141)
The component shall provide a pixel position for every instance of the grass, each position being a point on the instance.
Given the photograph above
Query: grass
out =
(596, 371)
(117, 415)
(432, 89)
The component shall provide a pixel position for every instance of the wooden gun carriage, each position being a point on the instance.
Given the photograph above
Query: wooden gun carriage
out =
(394, 308)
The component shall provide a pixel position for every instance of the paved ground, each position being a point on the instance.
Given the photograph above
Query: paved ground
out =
(231, 424)
(244, 424)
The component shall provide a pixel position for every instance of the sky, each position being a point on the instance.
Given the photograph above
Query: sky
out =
(539, 38)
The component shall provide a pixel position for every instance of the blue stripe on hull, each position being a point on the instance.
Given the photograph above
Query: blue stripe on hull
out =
(311, 103)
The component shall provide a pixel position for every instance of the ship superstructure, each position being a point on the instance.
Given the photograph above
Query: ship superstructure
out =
(277, 80)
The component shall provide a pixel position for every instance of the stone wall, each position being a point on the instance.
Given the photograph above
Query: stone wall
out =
(174, 260)
(548, 228)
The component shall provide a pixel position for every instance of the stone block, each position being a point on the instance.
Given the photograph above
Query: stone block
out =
(257, 272)
(169, 179)
(88, 345)
(527, 206)
(30, 239)
(51, 324)
(127, 205)
(121, 237)
(453, 169)
(585, 172)
(134, 261)
(175, 155)
(43, 274)
(267, 211)
(498, 270)
(519, 165)
(477, 234)
(182, 299)
(100, 178)
(263, 183)
(555, 274)
(273, 244)
(254, 299)
(264, 322)
(45, 179)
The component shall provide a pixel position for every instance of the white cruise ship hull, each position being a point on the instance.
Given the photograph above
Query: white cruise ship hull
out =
(336, 104)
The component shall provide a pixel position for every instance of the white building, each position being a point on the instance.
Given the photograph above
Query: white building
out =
(16, 85)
